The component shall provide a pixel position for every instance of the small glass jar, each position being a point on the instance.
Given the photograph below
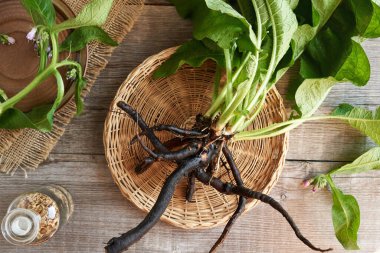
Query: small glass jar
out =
(34, 217)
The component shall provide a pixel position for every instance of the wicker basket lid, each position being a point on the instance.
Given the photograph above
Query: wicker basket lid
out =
(176, 100)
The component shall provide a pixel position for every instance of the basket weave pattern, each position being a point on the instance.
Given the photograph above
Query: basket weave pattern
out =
(176, 100)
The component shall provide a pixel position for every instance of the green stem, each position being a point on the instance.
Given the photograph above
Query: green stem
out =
(283, 127)
(220, 98)
(43, 58)
(54, 44)
(34, 84)
(330, 182)
(60, 89)
(216, 83)
(237, 124)
(253, 117)
(24, 92)
(229, 112)
(227, 56)
(238, 71)
(216, 104)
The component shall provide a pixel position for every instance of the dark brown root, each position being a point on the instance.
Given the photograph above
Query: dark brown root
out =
(190, 187)
(149, 161)
(229, 189)
(180, 132)
(191, 150)
(144, 127)
(194, 156)
(242, 200)
(230, 223)
(145, 165)
(122, 243)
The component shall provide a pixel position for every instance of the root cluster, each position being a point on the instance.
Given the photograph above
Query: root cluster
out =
(197, 153)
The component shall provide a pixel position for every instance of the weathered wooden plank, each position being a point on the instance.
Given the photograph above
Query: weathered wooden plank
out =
(101, 212)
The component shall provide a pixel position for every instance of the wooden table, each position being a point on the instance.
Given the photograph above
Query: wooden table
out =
(101, 212)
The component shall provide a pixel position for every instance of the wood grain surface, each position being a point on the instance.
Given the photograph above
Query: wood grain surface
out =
(78, 164)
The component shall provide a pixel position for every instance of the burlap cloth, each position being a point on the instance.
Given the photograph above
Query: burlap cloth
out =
(26, 149)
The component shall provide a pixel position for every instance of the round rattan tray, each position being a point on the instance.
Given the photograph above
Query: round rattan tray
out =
(176, 100)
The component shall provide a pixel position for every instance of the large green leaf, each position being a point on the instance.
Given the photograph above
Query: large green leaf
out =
(312, 16)
(311, 94)
(367, 17)
(373, 28)
(356, 67)
(93, 14)
(368, 161)
(346, 218)
(38, 118)
(41, 11)
(366, 121)
(328, 55)
(313, 91)
(333, 52)
(80, 37)
(194, 53)
(218, 21)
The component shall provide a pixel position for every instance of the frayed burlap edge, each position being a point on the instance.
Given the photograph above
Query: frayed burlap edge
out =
(26, 149)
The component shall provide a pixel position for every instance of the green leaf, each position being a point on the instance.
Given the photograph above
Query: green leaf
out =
(245, 7)
(373, 28)
(285, 24)
(367, 16)
(366, 121)
(281, 23)
(218, 21)
(93, 14)
(194, 53)
(293, 3)
(356, 67)
(333, 52)
(313, 91)
(366, 162)
(41, 11)
(35, 119)
(247, 70)
(80, 37)
(311, 94)
(80, 84)
(313, 15)
(346, 217)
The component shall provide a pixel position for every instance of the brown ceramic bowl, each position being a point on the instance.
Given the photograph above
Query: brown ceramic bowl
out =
(19, 62)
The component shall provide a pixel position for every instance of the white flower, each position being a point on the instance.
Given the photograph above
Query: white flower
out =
(5, 39)
(32, 34)
(11, 40)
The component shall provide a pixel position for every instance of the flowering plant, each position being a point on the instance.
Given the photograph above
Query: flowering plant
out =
(85, 28)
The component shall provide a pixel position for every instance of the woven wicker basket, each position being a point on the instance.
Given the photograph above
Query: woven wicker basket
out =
(176, 100)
